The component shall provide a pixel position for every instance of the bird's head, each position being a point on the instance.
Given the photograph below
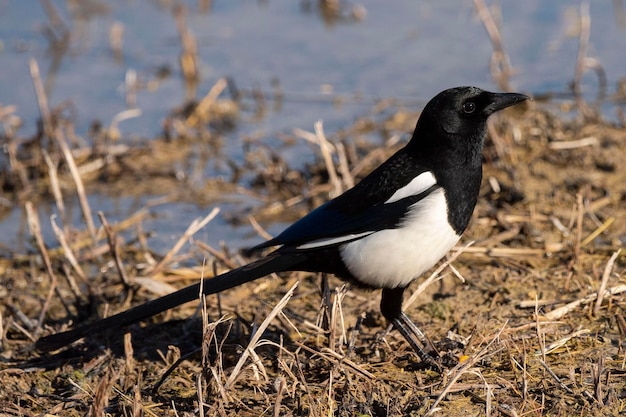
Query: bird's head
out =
(461, 110)
(457, 118)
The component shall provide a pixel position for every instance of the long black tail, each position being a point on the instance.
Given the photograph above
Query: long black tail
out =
(265, 266)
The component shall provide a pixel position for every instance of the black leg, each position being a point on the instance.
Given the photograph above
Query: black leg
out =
(391, 307)
(421, 336)
(326, 302)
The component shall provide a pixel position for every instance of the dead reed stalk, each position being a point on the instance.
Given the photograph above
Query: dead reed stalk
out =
(35, 231)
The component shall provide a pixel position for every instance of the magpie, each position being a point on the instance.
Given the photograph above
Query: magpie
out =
(383, 233)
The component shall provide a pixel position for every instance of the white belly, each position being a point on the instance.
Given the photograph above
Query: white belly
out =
(395, 257)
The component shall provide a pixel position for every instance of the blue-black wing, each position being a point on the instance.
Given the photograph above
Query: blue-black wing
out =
(326, 226)
(359, 211)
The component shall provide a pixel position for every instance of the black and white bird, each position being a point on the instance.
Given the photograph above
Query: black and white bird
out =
(385, 232)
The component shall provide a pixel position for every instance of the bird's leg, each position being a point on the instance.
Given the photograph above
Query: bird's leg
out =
(423, 338)
(408, 335)
(391, 308)
(326, 302)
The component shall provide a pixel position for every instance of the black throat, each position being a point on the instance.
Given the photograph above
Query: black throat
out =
(461, 186)
(458, 169)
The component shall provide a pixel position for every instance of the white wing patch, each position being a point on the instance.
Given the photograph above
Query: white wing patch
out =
(332, 240)
(417, 185)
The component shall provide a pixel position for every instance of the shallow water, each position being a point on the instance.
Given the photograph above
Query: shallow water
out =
(404, 49)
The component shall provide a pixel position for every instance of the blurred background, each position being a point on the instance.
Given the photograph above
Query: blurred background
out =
(287, 64)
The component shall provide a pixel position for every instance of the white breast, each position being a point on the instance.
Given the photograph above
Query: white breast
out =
(395, 257)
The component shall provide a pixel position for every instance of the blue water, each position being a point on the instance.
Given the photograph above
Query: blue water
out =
(404, 49)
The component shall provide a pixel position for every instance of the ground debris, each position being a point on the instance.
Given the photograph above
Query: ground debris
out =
(547, 230)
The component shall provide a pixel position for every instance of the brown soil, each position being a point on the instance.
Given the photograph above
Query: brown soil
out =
(552, 214)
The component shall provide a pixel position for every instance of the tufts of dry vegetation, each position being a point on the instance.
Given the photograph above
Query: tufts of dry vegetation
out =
(536, 302)
(533, 301)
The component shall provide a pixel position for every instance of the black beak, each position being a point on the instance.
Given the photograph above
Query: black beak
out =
(501, 101)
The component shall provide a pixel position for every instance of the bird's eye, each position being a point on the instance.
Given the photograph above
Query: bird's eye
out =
(469, 107)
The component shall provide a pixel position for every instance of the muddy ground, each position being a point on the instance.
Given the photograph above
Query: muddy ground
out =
(538, 300)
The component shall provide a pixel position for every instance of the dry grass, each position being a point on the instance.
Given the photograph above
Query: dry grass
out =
(540, 303)
(537, 300)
